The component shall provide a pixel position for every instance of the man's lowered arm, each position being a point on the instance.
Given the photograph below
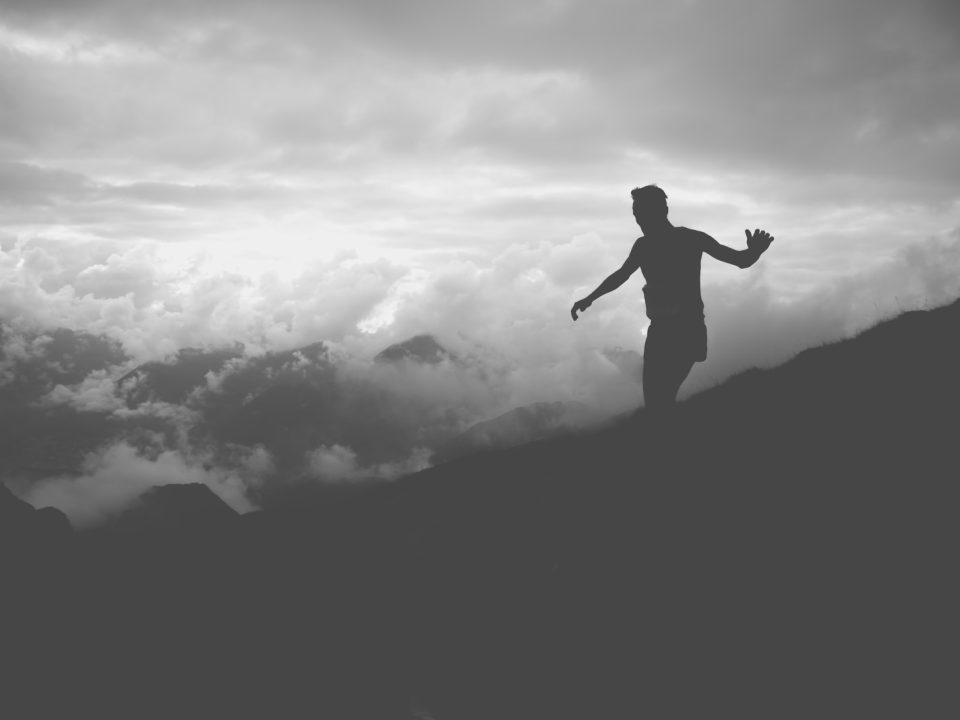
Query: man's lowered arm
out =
(612, 282)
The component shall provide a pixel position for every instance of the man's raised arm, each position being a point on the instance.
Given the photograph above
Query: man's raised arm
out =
(757, 244)
(611, 283)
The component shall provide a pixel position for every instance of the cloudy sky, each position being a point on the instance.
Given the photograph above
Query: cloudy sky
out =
(180, 173)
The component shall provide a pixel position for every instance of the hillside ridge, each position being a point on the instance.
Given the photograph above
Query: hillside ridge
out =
(784, 544)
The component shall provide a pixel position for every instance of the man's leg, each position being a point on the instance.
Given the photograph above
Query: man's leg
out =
(663, 375)
(679, 370)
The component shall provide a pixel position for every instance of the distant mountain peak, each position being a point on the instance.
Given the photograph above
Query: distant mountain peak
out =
(182, 506)
(420, 348)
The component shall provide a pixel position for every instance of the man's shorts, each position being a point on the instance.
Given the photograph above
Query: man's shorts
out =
(682, 337)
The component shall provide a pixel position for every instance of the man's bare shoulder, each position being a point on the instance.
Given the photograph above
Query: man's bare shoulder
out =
(697, 237)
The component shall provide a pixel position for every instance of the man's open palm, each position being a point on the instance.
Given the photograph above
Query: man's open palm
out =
(760, 240)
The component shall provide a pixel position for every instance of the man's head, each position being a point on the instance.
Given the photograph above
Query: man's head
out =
(649, 204)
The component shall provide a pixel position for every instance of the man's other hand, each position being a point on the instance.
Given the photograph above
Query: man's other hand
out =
(579, 306)
(760, 240)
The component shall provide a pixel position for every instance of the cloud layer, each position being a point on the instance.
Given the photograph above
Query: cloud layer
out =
(388, 414)
(472, 126)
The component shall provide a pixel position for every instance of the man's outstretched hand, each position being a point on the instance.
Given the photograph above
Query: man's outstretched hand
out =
(760, 240)
(579, 306)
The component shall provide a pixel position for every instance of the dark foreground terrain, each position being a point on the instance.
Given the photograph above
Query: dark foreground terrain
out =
(786, 547)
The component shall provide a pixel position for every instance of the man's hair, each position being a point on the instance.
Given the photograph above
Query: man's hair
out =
(650, 196)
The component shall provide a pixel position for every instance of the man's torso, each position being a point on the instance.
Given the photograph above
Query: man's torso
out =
(670, 263)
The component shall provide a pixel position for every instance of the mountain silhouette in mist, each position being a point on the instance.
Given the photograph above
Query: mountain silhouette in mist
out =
(174, 380)
(37, 439)
(20, 522)
(420, 348)
(786, 547)
(60, 406)
(175, 509)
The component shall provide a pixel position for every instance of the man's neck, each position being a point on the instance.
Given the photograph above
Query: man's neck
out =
(655, 228)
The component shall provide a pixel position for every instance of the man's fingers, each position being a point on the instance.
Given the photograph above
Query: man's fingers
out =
(760, 238)
(578, 307)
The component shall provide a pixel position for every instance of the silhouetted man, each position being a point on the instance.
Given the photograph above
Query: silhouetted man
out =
(669, 258)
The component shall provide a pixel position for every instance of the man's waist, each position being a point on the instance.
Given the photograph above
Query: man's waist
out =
(663, 304)
(677, 312)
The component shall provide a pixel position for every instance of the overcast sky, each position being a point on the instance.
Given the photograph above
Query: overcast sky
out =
(182, 173)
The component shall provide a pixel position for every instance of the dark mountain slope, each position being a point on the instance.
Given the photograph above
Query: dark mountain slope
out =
(515, 427)
(784, 546)
(783, 543)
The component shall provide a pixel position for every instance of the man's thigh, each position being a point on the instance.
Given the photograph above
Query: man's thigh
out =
(667, 360)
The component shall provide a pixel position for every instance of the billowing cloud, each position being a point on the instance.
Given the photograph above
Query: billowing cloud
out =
(155, 307)
(457, 124)
(95, 393)
(508, 314)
